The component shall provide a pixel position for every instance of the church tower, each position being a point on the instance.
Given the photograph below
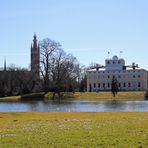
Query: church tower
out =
(35, 57)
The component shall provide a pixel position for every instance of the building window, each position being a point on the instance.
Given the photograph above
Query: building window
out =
(108, 85)
(124, 84)
(108, 76)
(133, 76)
(119, 84)
(138, 76)
(90, 88)
(99, 85)
(103, 85)
(129, 84)
(94, 85)
(113, 62)
(108, 62)
(119, 62)
(139, 84)
(119, 76)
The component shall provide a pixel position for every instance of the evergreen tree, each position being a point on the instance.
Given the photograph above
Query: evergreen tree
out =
(114, 86)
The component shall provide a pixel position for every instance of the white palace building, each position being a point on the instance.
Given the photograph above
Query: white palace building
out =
(129, 77)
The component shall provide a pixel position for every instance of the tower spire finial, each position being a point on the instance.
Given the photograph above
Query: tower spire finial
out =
(5, 67)
(34, 34)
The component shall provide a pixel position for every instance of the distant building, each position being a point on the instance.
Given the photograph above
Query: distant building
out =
(35, 59)
(129, 77)
(13, 79)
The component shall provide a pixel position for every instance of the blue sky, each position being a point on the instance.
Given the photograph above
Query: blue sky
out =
(85, 28)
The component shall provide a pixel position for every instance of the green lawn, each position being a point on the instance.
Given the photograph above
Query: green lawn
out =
(74, 130)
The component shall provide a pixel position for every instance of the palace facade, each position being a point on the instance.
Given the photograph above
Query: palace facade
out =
(129, 77)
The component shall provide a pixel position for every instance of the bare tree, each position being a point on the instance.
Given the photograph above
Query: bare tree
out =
(82, 78)
(63, 72)
(48, 48)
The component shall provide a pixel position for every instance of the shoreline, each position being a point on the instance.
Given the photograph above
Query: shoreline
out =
(94, 96)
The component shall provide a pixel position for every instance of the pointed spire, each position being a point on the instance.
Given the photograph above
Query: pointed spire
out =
(34, 34)
(34, 41)
(35, 37)
(5, 67)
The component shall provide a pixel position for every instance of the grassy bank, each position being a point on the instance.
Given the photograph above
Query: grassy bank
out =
(10, 98)
(109, 130)
(129, 95)
(132, 95)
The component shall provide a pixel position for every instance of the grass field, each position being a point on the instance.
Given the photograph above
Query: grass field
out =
(131, 95)
(74, 130)
(127, 95)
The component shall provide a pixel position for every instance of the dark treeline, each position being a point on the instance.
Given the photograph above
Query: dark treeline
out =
(59, 72)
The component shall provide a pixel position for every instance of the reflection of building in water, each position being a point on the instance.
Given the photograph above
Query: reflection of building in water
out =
(129, 77)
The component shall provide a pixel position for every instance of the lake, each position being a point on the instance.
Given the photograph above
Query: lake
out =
(75, 106)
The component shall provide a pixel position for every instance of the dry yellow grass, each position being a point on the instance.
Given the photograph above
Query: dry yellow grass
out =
(131, 95)
(10, 98)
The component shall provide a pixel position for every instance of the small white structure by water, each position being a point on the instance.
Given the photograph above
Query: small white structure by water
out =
(129, 77)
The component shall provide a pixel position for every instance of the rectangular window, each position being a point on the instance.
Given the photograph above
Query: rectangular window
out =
(99, 85)
(94, 85)
(108, 85)
(124, 84)
(119, 84)
(129, 84)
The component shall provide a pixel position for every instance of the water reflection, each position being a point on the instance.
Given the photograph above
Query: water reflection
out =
(75, 106)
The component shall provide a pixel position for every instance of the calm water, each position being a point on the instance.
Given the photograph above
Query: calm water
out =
(75, 106)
